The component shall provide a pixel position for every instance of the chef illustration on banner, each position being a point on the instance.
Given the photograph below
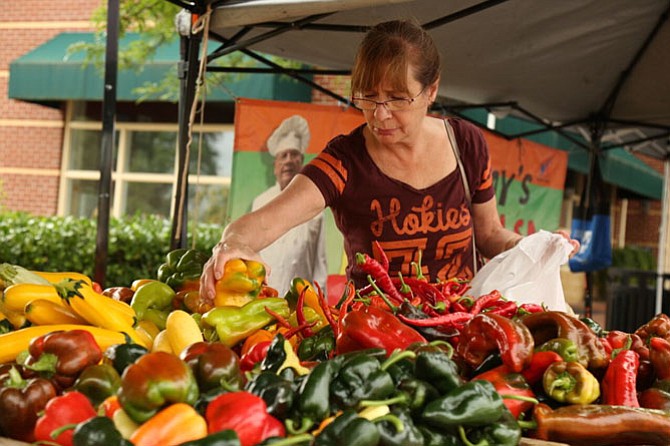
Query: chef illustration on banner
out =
(301, 252)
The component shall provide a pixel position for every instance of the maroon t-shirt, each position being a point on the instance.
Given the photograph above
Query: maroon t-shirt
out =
(433, 223)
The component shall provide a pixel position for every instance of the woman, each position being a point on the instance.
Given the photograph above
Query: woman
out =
(396, 179)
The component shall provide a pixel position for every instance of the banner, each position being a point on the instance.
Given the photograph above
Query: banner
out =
(252, 170)
(529, 178)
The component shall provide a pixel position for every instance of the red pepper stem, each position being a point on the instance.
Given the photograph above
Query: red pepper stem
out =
(397, 356)
(15, 379)
(394, 420)
(404, 288)
(305, 424)
(466, 442)
(527, 425)
(383, 296)
(528, 399)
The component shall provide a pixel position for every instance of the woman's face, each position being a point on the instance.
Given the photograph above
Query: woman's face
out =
(399, 121)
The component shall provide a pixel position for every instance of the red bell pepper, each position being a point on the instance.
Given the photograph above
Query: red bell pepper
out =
(214, 365)
(63, 355)
(517, 394)
(255, 355)
(659, 355)
(246, 414)
(20, 402)
(372, 327)
(61, 416)
(619, 384)
(487, 332)
(538, 364)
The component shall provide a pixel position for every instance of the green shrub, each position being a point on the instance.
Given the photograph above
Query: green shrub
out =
(136, 245)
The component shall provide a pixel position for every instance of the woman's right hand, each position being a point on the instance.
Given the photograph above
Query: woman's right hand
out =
(213, 269)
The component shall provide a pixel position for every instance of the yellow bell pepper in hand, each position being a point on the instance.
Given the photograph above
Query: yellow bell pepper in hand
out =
(241, 283)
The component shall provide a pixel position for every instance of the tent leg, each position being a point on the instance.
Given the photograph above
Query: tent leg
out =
(107, 142)
(662, 239)
(588, 296)
(188, 73)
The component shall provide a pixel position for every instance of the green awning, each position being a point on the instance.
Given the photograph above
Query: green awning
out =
(47, 74)
(619, 167)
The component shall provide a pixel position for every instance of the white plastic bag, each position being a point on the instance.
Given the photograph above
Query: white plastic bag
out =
(528, 273)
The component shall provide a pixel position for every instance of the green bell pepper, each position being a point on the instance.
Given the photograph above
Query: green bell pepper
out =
(434, 437)
(563, 346)
(419, 393)
(98, 382)
(153, 301)
(391, 436)
(475, 403)
(182, 269)
(317, 347)
(120, 356)
(360, 378)
(98, 431)
(504, 432)
(348, 429)
(233, 324)
(436, 367)
(156, 380)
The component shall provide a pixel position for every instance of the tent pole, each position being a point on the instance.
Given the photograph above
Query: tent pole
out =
(663, 238)
(107, 142)
(188, 74)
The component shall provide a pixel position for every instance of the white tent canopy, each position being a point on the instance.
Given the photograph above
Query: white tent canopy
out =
(599, 68)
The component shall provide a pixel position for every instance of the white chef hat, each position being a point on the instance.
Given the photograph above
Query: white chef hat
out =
(292, 133)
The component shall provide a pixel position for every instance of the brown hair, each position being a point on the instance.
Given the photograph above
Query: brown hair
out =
(386, 52)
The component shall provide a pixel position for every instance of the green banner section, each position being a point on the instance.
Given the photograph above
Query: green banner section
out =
(526, 208)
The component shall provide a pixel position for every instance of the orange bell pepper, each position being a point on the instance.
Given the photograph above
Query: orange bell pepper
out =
(173, 425)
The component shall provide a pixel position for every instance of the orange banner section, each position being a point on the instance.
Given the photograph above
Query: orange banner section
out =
(325, 122)
(539, 164)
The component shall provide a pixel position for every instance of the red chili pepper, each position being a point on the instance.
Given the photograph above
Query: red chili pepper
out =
(506, 308)
(246, 414)
(281, 320)
(380, 254)
(487, 332)
(530, 308)
(447, 320)
(380, 275)
(538, 364)
(372, 327)
(424, 290)
(61, 415)
(619, 384)
(659, 355)
(485, 301)
(323, 303)
(516, 392)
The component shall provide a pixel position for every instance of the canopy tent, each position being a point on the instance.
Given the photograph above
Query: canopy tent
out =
(593, 71)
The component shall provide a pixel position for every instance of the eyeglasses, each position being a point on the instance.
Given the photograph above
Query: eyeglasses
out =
(391, 104)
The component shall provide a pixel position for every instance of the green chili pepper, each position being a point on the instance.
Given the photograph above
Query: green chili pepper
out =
(419, 393)
(348, 429)
(360, 378)
(391, 436)
(278, 391)
(594, 326)
(472, 404)
(233, 324)
(504, 432)
(436, 367)
(563, 346)
(98, 431)
(314, 403)
(434, 437)
(226, 437)
(317, 347)
(98, 382)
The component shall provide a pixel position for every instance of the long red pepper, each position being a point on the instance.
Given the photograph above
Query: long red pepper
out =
(619, 384)
(485, 301)
(376, 270)
(323, 303)
(300, 313)
(383, 258)
(448, 319)
(425, 290)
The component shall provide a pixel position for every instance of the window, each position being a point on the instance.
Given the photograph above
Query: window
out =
(144, 168)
